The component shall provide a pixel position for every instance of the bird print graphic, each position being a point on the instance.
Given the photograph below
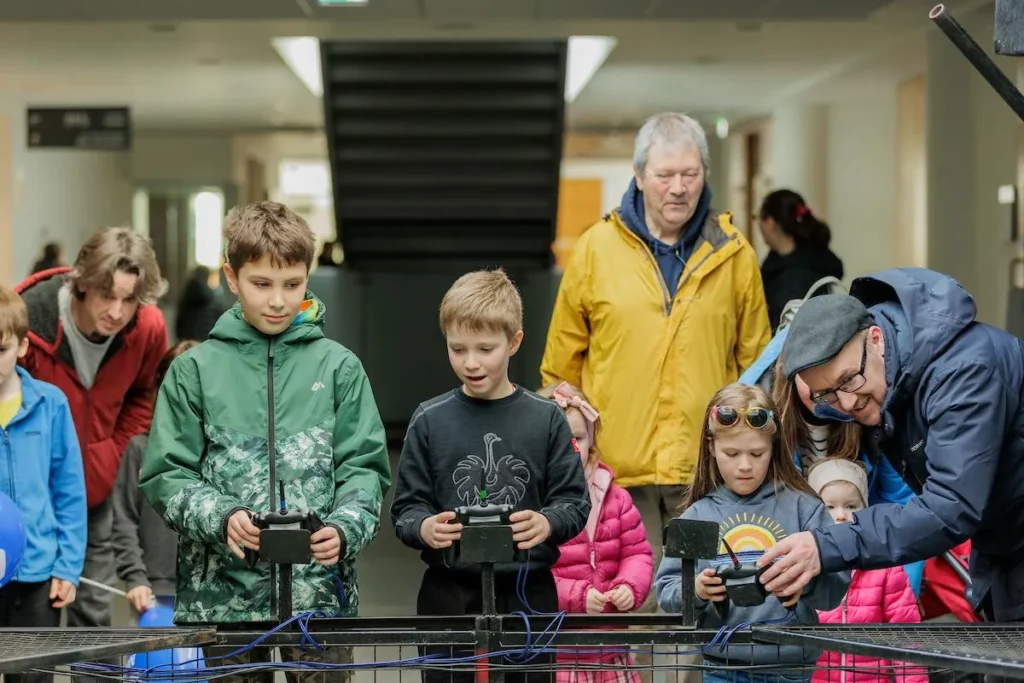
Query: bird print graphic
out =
(481, 480)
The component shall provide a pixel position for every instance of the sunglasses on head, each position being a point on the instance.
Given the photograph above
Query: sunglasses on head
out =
(756, 418)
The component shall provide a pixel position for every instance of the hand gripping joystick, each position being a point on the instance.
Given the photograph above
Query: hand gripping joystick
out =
(743, 586)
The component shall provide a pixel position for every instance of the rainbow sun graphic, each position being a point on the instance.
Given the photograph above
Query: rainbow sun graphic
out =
(748, 532)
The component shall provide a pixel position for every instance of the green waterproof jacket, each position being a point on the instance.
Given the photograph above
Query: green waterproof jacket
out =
(236, 416)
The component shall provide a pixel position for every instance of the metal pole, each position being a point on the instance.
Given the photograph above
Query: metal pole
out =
(102, 586)
(977, 57)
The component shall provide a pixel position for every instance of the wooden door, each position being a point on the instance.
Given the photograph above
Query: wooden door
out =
(579, 207)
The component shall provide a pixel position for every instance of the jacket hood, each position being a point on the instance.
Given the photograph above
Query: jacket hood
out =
(920, 312)
(633, 216)
(307, 326)
(819, 260)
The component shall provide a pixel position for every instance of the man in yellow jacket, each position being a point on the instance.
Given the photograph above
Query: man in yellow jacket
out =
(661, 304)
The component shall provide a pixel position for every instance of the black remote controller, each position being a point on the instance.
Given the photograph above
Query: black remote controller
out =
(298, 518)
(743, 586)
(488, 513)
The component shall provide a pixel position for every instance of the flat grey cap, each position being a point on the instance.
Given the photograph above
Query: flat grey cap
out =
(821, 328)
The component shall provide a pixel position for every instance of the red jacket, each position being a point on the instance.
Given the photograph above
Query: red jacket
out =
(880, 596)
(117, 407)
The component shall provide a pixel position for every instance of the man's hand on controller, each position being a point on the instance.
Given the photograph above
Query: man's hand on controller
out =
(326, 546)
(797, 563)
(529, 528)
(242, 533)
(440, 530)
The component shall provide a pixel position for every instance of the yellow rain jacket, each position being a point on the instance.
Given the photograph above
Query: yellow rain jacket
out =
(650, 365)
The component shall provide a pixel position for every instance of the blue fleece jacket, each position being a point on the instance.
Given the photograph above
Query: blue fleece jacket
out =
(953, 424)
(671, 258)
(752, 524)
(41, 471)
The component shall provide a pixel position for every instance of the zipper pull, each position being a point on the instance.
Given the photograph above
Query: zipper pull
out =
(593, 559)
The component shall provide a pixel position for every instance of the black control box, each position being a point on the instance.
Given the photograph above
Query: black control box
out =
(284, 536)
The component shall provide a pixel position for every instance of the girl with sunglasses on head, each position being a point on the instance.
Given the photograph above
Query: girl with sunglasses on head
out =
(747, 485)
(609, 566)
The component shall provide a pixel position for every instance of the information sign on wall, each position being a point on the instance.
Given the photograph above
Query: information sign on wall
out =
(86, 128)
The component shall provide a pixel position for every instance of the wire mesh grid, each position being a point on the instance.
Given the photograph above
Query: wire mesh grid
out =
(576, 656)
(25, 649)
(996, 649)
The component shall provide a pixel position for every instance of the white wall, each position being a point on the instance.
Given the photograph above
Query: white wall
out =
(799, 150)
(972, 150)
(861, 182)
(183, 158)
(63, 195)
(842, 158)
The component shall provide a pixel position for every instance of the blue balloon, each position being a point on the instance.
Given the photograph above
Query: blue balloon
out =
(12, 539)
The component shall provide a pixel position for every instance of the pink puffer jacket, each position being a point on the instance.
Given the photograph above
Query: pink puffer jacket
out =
(610, 552)
(880, 596)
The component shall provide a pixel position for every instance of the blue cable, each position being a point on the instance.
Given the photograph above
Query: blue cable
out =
(528, 653)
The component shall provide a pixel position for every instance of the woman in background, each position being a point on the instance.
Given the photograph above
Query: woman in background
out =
(799, 255)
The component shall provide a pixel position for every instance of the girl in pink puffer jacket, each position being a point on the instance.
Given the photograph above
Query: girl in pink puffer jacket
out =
(609, 566)
(879, 596)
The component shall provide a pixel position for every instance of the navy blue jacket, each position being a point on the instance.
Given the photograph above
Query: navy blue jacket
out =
(953, 426)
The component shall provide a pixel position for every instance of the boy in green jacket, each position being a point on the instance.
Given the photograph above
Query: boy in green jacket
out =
(266, 400)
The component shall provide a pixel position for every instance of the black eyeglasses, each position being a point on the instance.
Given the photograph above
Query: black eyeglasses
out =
(849, 386)
(756, 418)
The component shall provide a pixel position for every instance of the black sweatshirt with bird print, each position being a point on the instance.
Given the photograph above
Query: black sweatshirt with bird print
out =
(517, 450)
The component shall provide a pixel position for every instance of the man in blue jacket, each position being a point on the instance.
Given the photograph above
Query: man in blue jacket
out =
(903, 354)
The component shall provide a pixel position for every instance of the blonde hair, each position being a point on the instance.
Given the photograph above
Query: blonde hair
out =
(548, 392)
(782, 470)
(484, 300)
(13, 315)
(267, 228)
(118, 250)
(843, 437)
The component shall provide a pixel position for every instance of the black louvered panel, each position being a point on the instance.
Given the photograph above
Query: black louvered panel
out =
(445, 150)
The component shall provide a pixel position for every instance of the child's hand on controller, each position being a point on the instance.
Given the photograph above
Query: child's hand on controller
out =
(326, 546)
(242, 533)
(709, 586)
(529, 528)
(439, 531)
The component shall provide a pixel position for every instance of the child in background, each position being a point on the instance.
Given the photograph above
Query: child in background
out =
(145, 548)
(752, 489)
(488, 441)
(41, 472)
(609, 566)
(880, 596)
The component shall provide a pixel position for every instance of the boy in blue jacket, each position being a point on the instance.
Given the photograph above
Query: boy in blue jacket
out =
(41, 471)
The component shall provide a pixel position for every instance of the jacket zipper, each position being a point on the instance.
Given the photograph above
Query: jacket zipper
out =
(842, 657)
(593, 557)
(272, 454)
(9, 453)
(687, 274)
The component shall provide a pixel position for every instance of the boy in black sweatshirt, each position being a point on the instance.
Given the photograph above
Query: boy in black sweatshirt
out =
(488, 441)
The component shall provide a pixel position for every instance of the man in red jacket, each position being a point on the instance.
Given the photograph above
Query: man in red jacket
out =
(96, 333)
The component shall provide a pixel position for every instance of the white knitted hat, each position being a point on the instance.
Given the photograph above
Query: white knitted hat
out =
(828, 470)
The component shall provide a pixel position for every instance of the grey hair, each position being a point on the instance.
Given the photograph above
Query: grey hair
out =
(671, 130)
